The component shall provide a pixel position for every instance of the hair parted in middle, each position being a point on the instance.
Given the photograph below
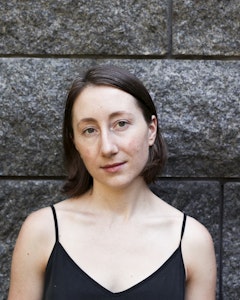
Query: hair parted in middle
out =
(78, 179)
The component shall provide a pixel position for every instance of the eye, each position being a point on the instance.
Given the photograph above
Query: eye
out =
(89, 131)
(122, 124)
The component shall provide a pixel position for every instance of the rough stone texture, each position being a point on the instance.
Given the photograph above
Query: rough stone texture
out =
(231, 241)
(17, 200)
(201, 116)
(31, 110)
(84, 27)
(206, 27)
(198, 105)
(197, 102)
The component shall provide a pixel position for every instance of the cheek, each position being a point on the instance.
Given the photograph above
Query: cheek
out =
(85, 155)
(84, 152)
(88, 159)
(138, 146)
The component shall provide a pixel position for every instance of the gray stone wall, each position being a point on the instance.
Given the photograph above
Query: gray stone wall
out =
(186, 52)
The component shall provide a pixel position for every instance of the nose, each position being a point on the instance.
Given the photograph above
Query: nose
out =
(108, 144)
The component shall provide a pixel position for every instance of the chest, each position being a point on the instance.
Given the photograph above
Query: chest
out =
(66, 280)
(119, 258)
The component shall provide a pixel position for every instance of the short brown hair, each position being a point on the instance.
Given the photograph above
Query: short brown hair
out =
(78, 179)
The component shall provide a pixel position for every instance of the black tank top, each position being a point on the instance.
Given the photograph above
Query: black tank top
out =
(65, 280)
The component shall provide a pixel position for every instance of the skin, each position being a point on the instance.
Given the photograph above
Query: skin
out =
(113, 227)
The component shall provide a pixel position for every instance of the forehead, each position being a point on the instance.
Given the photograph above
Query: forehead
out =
(104, 99)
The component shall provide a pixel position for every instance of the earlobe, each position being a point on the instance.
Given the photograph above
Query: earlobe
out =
(152, 130)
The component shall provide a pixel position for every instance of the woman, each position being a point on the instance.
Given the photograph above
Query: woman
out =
(112, 238)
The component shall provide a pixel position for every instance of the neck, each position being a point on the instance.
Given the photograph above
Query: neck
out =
(124, 202)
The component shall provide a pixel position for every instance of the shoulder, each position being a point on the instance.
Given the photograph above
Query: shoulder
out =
(37, 235)
(31, 253)
(38, 222)
(197, 248)
(196, 233)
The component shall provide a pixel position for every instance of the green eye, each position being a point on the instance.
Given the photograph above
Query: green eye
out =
(89, 131)
(122, 123)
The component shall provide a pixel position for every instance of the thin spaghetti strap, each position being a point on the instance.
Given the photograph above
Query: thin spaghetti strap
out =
(183, 226)
(55, 222)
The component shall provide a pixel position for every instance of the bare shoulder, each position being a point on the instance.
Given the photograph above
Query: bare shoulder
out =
(38, 222)
(196, 234)
(37, 234)
(198, 250)
(31, 253)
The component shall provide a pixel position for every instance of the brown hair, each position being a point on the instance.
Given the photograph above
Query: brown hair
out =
(78, 178)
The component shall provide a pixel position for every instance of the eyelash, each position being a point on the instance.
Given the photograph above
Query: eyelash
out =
(86, 131)
(123, 122)
(120, 125)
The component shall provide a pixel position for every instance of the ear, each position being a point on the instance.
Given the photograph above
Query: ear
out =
(152, 130)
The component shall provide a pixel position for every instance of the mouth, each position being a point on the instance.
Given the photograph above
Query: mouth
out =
(113, 167)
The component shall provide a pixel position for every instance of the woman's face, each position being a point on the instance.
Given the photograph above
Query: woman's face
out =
(111, 135)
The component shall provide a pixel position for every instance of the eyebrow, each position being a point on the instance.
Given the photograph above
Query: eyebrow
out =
(112, 115)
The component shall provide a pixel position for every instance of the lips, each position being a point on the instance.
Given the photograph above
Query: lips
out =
(113, 167)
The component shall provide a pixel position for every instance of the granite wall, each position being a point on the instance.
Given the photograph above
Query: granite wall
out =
(186, 52)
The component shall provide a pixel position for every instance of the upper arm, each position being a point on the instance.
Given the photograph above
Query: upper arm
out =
(200, 262)
(30, 257)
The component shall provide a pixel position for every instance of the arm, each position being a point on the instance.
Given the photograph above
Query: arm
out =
(200, 262)
(30, 257)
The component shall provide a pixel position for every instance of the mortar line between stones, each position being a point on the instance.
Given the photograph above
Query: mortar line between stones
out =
(26, 178)
(223, 180)
(169, 27)
(219, 179)
(123, 56)
(220, 253)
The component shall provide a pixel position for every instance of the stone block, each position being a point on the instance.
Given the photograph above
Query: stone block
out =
(18, 199)
(84, 27)
(197, 103)
(206, 27)
(231, 241)
(200, 117)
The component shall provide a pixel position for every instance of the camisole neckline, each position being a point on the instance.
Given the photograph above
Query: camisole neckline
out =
(59, 247)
